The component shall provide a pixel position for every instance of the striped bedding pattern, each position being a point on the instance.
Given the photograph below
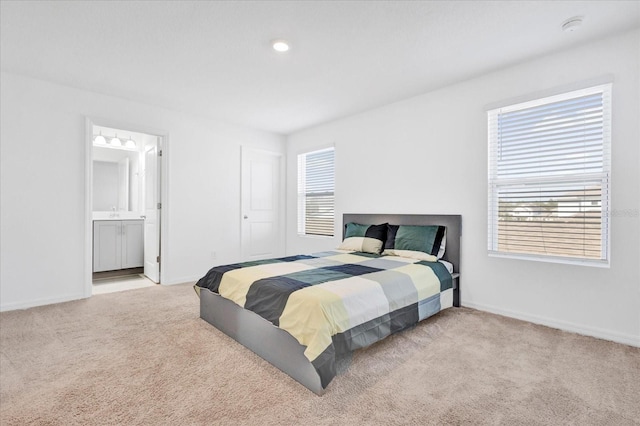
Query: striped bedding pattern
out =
(336, 301)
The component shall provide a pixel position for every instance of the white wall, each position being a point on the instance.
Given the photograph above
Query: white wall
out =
(42, 154)
(428, 154)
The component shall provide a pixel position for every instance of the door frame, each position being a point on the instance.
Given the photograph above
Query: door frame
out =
(244, 149)
(163, 176)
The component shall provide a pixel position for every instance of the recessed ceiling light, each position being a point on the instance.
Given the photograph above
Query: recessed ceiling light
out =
(572, 24)
(280, 45)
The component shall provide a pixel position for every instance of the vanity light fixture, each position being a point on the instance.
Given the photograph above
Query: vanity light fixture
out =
(115, 141)
(280, 45)
(99, 139)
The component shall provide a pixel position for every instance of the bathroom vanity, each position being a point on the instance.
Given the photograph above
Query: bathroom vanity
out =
(117, 244)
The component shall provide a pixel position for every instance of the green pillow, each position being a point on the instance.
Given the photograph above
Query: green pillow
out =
(428, 239)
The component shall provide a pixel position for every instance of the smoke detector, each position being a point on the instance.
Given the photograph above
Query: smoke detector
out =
(572, 24)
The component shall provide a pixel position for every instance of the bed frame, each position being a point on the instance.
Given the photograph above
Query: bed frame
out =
(280, 348)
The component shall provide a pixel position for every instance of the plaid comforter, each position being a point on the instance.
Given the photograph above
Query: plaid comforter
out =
(334, 302)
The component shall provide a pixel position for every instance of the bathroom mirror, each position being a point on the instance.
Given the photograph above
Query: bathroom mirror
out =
(116, 179)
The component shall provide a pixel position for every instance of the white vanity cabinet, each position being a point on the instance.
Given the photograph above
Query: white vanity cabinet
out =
(117, 244)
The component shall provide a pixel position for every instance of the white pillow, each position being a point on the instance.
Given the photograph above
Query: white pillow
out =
(363, 244)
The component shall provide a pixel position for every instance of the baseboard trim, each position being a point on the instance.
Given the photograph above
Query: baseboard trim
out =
(69, 297)
(182, 280)
(600, 333)
(40, 302)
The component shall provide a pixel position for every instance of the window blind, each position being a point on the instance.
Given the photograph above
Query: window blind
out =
(549, 168)
(316, 199)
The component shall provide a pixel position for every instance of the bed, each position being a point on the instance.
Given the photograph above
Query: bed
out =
(301, 313)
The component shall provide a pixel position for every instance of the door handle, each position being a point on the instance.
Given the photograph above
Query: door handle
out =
(246, 217)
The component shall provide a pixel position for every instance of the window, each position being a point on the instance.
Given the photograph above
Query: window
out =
(316, 200)
(549, 168)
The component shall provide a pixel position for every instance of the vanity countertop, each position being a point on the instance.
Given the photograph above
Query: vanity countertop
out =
(122, 215)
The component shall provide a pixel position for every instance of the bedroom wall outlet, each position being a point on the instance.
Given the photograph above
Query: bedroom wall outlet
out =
(214, 255)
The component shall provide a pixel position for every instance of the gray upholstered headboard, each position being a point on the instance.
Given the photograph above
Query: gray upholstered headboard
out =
(453, 223)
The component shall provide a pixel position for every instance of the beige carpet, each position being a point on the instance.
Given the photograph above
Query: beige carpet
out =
(144, 357)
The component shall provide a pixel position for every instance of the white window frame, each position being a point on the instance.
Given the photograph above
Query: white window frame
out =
(604, 177)
(303, 194)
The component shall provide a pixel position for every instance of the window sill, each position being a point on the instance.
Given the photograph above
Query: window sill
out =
(316, 237)
(552, 259)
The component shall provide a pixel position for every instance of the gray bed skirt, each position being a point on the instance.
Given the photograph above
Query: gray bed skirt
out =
(260, 336)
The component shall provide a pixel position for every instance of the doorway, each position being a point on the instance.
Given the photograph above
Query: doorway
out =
(124, 195)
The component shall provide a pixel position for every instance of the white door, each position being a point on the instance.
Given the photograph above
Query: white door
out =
(151, 213)
(261, 192)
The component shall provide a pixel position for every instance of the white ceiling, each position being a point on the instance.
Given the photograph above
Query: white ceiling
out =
(214, 58)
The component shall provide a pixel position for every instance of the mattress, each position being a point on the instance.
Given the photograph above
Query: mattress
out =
(447, 265)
